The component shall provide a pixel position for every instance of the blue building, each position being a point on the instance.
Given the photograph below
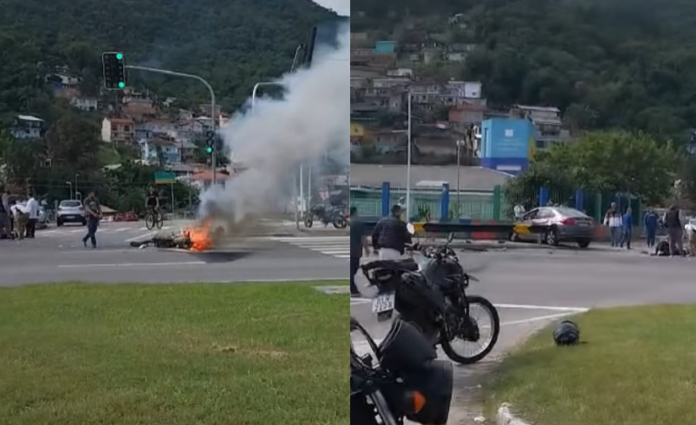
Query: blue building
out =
(506, 144)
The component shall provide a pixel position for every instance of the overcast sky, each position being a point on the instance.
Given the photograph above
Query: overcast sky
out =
(342, 7)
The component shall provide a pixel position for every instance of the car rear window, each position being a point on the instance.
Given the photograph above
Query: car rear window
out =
(571, 212)
(70, 204)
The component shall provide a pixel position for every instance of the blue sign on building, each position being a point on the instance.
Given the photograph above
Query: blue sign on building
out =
(506, 144)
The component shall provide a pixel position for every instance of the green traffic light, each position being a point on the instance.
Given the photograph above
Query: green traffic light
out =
(119, 56)
(121, 85)
(209, 150)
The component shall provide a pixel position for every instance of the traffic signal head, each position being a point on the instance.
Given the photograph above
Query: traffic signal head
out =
(114, 71)
(209, 149)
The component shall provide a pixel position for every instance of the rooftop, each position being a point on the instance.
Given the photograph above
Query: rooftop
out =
(538, 108)
(29, 118)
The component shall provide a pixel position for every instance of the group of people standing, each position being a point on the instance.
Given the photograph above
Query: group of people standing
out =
(673, 221)
(18, 216)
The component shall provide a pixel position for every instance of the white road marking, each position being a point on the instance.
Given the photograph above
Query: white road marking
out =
(335, 246)
(77, 231)
(86, 266)
(537, 319)
(122, 229)
(542, 307)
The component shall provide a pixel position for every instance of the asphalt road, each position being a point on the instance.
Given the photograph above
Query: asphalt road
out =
(535, 287)
(57, 254)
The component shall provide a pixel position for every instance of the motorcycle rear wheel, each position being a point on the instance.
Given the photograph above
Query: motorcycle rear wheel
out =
(495, 323)
(340, 222)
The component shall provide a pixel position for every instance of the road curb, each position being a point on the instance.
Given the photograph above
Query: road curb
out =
(505, 416)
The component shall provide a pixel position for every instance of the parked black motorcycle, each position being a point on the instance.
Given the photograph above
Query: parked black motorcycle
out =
(403, 381)
(434, 299)
(335, 216)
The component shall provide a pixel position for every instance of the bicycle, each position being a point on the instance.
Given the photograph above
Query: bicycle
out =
(154, 219)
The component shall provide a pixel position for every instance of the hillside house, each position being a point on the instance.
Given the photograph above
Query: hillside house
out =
(160, 150)
(118, 130)
(87, 104)
(140, 109)
(64, 85)
(27, 127)
(548, 124)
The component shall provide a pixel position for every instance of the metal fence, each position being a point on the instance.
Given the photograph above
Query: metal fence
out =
(432, 204)
(427, 203)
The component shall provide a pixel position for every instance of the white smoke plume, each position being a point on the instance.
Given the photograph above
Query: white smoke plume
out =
(273, 139)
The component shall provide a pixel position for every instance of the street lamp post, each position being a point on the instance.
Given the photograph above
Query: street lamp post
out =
(76, 176)
(71, 189)
(213, 115)
(408, 163)
(459, 145)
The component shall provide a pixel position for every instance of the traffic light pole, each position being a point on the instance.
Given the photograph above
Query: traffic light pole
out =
(212, 102)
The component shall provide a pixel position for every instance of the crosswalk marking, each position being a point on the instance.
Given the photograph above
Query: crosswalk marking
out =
(335, 246)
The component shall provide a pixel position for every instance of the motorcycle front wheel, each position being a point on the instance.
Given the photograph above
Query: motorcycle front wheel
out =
(308, 222)
(475, 303)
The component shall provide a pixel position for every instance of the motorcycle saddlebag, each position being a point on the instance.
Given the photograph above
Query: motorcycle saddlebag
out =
(436, 383)
(405, 348)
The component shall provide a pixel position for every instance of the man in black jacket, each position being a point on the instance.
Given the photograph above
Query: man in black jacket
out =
(675, 230)
(391, 236)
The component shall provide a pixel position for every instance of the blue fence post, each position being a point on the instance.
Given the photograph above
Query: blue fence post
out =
(385, 199)
(444, 205)
(543, 196)
(580, 200)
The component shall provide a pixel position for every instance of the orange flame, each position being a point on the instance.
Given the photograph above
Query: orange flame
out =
(200, 236)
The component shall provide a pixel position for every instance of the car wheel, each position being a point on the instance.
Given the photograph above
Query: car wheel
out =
(59, 223)
(84, 222)
(584, 243)
(551, 237)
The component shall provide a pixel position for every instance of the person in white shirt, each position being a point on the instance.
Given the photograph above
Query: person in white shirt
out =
(33, 211)
(613, 219)
(19, 212)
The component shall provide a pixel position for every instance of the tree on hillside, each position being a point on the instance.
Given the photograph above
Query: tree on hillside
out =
(73, 142)
(604, 162)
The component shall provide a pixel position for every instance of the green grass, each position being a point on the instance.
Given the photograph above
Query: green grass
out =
(637, 367)
(198, 354)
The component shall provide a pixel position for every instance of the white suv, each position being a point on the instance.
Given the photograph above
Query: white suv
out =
(70, 212)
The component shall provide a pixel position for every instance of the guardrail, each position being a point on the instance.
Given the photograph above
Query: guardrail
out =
(470, 230)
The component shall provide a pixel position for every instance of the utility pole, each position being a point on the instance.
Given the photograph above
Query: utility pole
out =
(213, 158)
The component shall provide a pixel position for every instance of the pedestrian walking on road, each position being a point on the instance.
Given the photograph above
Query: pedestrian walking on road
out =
(674, 222)
(613, 219)
(33, 212)
(358, 245)
(93, 212)
(627, 223)
(391, 236)
(650, 221)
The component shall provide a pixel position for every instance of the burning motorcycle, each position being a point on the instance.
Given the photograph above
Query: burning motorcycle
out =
(433, 298)
(403, 381)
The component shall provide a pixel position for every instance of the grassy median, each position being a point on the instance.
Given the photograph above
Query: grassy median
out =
(173, 354)
(637, 367)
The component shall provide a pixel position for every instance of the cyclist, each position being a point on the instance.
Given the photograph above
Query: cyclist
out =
(152, 203)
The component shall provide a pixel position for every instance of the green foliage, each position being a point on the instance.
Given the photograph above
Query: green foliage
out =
(233, 44)
(606, 63)
(604, 162)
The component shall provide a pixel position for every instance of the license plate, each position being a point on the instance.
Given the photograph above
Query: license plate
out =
(583, 224)
(383, 303)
